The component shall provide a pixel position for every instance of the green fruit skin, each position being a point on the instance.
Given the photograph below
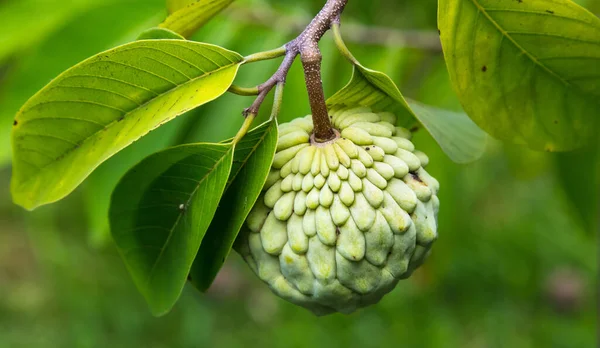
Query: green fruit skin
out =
(339, 224)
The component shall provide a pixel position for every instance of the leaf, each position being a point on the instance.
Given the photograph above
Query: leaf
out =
(174, 5)
(528, 72)
(160, 212)
(196, 126)
(456, 134)
(98, 187)
(159, 34)
(186, 20)
(102, 105)
(244, 40)
(252, 163)
(374, 89)
(102, 182)
(97, 29)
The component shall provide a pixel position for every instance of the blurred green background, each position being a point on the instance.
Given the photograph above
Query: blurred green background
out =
(515, 265)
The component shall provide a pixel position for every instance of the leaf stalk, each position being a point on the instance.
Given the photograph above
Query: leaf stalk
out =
(266, 55)
(243, 91)
(341, 45)
(244, 129)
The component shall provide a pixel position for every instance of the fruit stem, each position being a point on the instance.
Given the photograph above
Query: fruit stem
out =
(307, 44)
(311, 63)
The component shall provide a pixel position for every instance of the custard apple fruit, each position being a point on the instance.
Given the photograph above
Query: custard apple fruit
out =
(338, 224)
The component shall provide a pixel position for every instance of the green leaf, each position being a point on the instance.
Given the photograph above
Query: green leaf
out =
(98, 187)
(104, 26)
(528, 72)
(160, 212)
(252, 163)
(186, 20)
(102, 105)
(374, 89)
(159, 34)
(456, 134)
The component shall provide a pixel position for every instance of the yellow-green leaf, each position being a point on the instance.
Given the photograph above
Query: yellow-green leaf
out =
(105, 25)
(527, 72)
(189, 17)
(159, 34)
(174, 5)
(102, 105)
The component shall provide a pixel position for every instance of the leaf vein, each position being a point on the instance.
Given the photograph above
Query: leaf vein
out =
(504, 33)
(169, 66)
(73, 101)
(113, 79)
(99, 89)
(541, 13)
(62, 118)
(171, 232)
(135, 68)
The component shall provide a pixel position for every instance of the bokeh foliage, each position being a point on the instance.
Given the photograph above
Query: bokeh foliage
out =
(515, 266)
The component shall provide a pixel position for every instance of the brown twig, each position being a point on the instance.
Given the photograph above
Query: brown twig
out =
(279, 77)
(307, 46)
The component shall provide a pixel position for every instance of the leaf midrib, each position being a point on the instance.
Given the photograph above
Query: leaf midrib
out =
(171, 231)
(535, 60)
(537, 13)
(122, 118)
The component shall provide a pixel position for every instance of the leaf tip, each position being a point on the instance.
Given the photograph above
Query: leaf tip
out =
(159, 311)
(21, 199)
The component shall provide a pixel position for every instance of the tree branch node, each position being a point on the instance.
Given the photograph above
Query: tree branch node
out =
(307, 46)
